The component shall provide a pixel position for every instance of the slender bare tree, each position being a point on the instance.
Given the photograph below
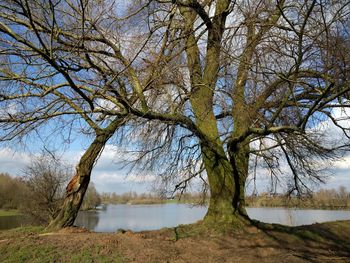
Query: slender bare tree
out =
(45, 178)
(201, 85)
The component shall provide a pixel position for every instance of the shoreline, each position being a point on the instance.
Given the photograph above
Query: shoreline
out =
(325, 242)
(345, 208)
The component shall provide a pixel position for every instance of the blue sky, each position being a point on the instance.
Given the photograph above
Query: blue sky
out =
(109, 177)
(107, 174)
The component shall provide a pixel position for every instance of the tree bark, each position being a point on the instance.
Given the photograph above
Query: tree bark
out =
(227, 183)
(219, 172)
(78, 185)
(239, 159)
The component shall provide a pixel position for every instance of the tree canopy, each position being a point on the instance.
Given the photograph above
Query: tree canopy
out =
(197, 88)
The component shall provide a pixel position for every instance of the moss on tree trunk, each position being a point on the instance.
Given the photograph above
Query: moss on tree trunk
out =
(239, 158)
(78, 185)
(226, 205)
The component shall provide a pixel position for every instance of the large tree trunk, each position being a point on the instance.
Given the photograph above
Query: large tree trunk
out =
(226, 182)
(219, 170)
(239, 158)
(78, 185)
(221, 183)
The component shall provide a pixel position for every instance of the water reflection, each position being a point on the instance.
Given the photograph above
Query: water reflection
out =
(297, 217)
(8, 222)
(151, 217)
(88, 219)
(142, 217)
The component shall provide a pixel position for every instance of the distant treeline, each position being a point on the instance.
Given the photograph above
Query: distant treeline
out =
(13, 192)
(150, 198)
(322, 199)
(40, 193)
(39, 196)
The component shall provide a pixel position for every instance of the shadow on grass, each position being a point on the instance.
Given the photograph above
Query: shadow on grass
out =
(312, 242)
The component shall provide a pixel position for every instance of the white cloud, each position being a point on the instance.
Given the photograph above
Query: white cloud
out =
(13, 162)
(331, 131)
(105, 104)
(123, 177)
(109, 172)
(10, 109)
(343, 163)
(108, 175)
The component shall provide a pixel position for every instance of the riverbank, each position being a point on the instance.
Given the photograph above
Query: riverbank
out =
(334, 199)
(156, 202)
(328, 242)
(267, 203)
(10, 212)
(302, 203)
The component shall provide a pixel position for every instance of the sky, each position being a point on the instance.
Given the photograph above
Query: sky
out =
(108, 176)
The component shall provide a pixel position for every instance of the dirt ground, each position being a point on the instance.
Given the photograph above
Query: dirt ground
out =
(329, 242)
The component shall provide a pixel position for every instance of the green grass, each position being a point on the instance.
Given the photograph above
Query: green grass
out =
(25, 244)
(20, 232)
(172, 201)
(10, 212)
(31, 252)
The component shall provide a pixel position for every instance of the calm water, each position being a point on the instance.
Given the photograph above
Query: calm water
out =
(139, 217)
(151, 217)
(7, 222)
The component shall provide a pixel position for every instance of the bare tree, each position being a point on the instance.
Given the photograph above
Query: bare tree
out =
(13, 192)
(48, 84)
(92, 198)
(45, 178)
(200, 85)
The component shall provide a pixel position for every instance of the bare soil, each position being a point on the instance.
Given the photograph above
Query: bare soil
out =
(328, 242)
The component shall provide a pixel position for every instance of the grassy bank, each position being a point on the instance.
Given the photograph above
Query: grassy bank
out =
(134, 198)
(322, 199)
(327, 242)
(154, 201)
(295, 202)
(11, 212)
(270, 201)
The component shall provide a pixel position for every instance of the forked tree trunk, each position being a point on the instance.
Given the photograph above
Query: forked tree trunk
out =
(239, 158)
(226, 182)
(78, 185)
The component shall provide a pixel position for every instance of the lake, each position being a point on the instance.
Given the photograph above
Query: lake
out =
(152, 217)
(7, 222)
